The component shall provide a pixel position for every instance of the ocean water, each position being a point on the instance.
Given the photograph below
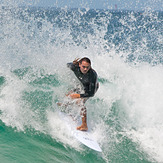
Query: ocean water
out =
(125, 115)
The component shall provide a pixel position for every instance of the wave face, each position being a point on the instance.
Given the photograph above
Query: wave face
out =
(125, 115)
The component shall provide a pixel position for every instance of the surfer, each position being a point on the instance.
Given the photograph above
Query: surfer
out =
(88, 78)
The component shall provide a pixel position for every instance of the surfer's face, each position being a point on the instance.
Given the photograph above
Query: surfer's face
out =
(84, 67)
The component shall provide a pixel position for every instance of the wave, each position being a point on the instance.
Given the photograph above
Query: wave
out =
(125, 49)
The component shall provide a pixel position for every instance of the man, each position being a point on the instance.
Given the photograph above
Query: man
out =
(88, 78)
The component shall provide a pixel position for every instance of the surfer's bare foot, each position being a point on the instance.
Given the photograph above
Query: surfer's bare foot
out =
(82, 128)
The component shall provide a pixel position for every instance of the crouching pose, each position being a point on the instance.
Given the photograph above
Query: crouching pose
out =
(88, 78)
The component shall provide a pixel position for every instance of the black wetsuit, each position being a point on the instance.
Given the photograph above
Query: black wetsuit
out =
(88, 80)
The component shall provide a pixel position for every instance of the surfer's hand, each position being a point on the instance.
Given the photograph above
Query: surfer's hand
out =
(74, 95)
(76, 61)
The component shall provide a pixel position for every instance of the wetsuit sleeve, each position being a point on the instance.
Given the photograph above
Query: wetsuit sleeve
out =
(71, 66)
(91, 88)
(90, 92)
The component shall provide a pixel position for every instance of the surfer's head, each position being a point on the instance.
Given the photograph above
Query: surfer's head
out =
(85, 65)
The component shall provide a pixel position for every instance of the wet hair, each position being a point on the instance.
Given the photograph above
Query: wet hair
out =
(85, 59)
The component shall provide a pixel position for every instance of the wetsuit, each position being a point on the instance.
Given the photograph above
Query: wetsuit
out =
(88, 80)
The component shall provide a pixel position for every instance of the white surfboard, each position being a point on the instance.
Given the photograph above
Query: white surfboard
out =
(83, 136)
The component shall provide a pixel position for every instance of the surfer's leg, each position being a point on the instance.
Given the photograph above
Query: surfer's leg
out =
(83, 114)
(83, 126)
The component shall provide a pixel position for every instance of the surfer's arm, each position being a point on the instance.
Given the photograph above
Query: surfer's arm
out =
(90, 92)
(92, 87)
(74, 95)
(73, 65)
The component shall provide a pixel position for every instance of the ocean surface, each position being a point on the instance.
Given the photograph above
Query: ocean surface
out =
(126, 114)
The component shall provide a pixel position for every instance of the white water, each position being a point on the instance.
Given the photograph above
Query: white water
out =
(138, 88)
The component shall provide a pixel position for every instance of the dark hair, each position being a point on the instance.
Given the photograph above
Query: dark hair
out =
(85, 59)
